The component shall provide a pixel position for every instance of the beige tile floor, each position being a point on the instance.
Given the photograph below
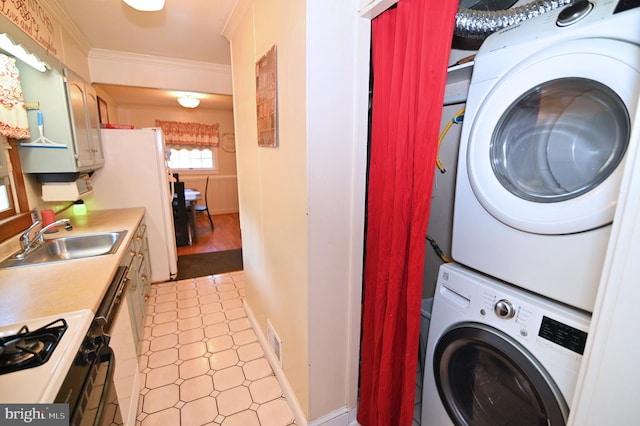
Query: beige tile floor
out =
(201, 362)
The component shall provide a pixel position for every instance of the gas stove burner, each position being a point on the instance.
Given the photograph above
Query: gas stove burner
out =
(27, 349)
(21, 350)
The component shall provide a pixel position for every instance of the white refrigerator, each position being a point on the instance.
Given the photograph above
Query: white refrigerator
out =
(135, 174)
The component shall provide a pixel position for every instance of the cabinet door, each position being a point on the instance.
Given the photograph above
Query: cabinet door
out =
(133, 297)
(49, 91)
(145, 269)
(94, 126)
(124, 345)
(80, 128)
(135, 312)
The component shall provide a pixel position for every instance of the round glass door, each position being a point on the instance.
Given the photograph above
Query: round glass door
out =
(485, 378)
(547, 139)
(559, 140)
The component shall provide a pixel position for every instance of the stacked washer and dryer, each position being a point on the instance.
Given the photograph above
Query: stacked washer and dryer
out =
(546, 128)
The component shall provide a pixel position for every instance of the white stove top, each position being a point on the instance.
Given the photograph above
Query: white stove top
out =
(41, 384)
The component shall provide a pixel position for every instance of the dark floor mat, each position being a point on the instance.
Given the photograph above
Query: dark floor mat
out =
(203, 264)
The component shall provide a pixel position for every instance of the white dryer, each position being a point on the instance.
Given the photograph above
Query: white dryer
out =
(543, 143)
(498, 355)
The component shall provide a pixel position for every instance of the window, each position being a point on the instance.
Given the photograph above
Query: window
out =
(5, 202)
(194, 158)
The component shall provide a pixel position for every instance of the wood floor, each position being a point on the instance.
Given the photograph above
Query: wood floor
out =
(225, 235)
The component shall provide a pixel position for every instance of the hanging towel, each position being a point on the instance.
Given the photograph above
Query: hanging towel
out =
(13, 113)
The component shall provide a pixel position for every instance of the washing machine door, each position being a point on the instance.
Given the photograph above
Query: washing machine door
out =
(486, 378)
(546, 146)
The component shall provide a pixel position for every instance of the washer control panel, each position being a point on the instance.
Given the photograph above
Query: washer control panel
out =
(563, 335)
(504, 309)
(548, 329)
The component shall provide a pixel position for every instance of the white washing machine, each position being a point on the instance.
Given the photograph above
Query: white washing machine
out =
(543, 143)
(499, 355)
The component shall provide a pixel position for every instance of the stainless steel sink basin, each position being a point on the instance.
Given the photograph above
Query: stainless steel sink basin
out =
(69, 248)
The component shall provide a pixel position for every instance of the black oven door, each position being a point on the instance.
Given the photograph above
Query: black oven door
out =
(89, 389)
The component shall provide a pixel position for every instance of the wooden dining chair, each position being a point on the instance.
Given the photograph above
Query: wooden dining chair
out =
(180, 218)
(205, 208)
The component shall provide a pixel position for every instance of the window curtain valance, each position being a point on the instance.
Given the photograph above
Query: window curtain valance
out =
(182, 135)
(13, 113)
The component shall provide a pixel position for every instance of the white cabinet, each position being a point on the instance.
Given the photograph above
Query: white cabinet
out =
(63, 113)
(85, 121)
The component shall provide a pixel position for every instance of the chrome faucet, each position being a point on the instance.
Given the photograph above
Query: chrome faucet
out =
(24, 238)
(28, 243)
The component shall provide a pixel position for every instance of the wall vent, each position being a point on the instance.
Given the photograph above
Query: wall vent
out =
(274, 341)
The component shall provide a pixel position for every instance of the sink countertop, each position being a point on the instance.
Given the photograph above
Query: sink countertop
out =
(60, 287)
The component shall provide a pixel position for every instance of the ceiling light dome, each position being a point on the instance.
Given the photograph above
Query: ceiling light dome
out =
(189, 101)
(146, 5)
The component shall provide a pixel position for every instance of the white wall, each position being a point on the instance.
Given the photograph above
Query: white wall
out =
(441, 213)
(272, 181)
(337, 115)
(302, 204)
(608, 389)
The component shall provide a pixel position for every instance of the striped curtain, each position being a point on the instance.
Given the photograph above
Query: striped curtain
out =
(193, 135)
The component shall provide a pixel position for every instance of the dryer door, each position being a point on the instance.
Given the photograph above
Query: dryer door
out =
(486, 378)
(546, 146)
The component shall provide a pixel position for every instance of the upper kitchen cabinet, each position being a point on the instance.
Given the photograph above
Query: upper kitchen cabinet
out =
(64, 123)
(83, 105)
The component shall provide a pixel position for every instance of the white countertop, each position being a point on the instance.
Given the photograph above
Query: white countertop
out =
(67, 286)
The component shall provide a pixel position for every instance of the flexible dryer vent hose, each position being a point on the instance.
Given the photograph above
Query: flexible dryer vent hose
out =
(478, 24)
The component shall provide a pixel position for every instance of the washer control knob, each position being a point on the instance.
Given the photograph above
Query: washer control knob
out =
(574, 13)
(504, 309)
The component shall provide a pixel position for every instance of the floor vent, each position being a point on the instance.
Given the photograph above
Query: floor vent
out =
(274, 341)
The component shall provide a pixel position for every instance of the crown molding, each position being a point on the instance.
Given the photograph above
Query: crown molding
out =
(67, 25)
(239, 11)
(132, 69)
(141, 59)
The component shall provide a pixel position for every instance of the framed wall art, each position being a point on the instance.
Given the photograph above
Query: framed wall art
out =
(267, 99)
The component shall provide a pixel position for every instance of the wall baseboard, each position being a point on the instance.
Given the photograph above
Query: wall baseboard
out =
(336, 418)
(287, 390)
(341, 417)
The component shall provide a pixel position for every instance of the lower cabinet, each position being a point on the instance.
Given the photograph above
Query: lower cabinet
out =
(128, 328)
(126, 375)
(138, 275)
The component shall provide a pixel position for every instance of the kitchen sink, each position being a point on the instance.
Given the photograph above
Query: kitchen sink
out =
(68, 248)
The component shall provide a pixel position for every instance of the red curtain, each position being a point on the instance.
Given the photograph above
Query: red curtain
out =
(410, 50)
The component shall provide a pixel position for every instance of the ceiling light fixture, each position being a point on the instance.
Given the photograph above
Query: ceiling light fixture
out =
(189, 101)
(146, 5)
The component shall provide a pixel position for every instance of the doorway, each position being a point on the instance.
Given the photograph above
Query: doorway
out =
(226, 235)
